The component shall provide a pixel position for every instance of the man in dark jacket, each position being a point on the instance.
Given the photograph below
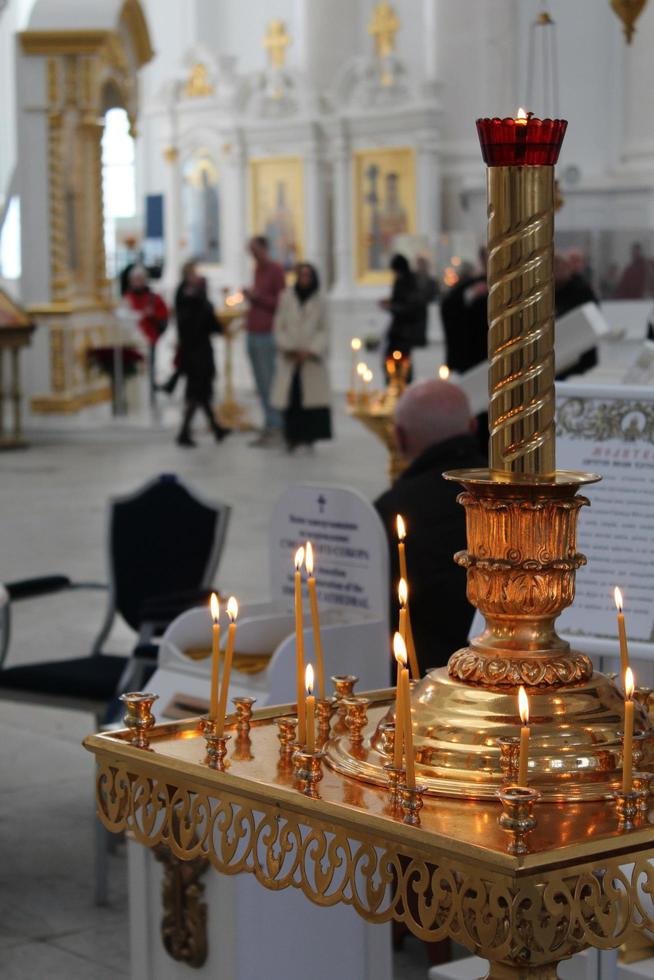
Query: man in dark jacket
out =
(434, 429)
(570, 291)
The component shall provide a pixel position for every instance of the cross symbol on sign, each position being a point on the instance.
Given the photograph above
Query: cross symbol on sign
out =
(321, 503)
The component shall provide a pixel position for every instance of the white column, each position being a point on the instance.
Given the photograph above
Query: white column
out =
(234, 230)
(343, 233)
(428, 186)
(430, 26)
(315, 231)
(638, 107)
(172, 203)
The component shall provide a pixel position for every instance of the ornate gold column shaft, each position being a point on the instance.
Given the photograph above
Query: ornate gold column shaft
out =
(521, 319)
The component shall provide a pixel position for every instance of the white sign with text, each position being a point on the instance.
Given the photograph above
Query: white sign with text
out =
(349, 543)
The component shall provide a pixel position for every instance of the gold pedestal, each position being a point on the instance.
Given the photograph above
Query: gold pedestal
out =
(230, 413)
(376, 412)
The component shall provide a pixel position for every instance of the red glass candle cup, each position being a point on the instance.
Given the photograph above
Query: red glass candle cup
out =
(527, 142)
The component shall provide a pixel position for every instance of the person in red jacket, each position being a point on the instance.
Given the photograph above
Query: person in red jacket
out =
(153, 318)
(263, 297)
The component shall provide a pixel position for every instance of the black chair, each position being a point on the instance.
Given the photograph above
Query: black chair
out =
(164, 545)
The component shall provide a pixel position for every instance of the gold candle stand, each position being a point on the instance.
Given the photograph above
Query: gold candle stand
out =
(376, 412)
(577, 886)
(231, 414)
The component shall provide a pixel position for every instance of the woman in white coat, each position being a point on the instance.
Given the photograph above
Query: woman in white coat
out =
(301, 384)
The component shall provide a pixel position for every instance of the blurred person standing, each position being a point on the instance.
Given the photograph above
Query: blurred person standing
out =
(301, 385)
(196, 322)
(152, 315)
(263, 298)
(407, 307)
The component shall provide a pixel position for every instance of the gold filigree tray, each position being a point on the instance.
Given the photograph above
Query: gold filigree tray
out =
(584, 881)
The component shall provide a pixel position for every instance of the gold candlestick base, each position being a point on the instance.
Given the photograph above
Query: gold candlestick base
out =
(139, 718)
(216, 745)
(641, 783)
(412, 804)
(286, 735)
(626, 806)
(518, 815)
(308, 771)
(243, 714)
(396, 783)
(344, 688)
(324, 712)
(356, 718)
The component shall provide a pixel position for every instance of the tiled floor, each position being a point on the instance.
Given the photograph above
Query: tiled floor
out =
(52, 502)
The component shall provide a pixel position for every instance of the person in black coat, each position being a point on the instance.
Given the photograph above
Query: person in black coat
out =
(408, 308)
(434, 429)
(571, 290)
(196, 322)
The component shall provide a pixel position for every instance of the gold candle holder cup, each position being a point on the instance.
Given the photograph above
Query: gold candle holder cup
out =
(138, 717)
(243, 707)
(216, 745)
(517, 817)
(308, 771)
(626, 806)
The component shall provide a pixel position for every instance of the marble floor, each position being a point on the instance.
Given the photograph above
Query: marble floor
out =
(52, 501)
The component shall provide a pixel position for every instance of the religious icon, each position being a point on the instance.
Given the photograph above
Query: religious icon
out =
(277, 206)
(385, 207)
(201, 205)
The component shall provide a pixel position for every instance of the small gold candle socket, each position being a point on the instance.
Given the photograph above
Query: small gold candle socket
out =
(286, 735)
(396, 783)
(344, 688)
(324, 711)
(138, 717)
(412, 804)
(387, 735)
(517, 817)
(356, 718)
(641, 786)
(626, 806)
(216, 745)
(308, 771)
(509, 758)
(243, 714)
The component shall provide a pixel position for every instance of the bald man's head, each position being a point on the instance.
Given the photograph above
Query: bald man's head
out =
(430, 412)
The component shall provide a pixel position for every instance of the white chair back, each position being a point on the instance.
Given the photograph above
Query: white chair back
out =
(362, 649)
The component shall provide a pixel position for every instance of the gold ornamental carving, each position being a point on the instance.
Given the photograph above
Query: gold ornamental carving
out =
(583, 885)
(198, 84)
(384, 25)
(276, 42)
(628, 11)
(184, 919)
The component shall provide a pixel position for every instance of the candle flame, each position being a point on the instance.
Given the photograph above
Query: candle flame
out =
(367, 377)
(309, 558)
(234, 299)
(521, 116)
(523, 706)
(355, 343)
(299, 559)
(214, 606)
(403, 592)
(617, 595)
(399, 650)
(401, 527)
(397, 355)
(308, 679)
(232, 608)
(443, 372)
(629, 685)
(362, 367)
